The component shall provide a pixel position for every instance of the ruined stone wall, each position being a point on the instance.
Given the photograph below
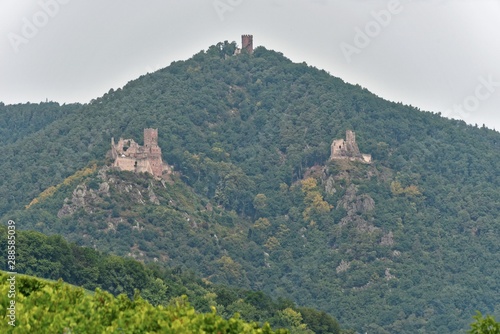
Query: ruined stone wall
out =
(338, 148)
(125, 163)
(350, 136)
(150, 137)
(348, 149)
(144, 166)
(351, 145)
(130, 156)
(156, 163)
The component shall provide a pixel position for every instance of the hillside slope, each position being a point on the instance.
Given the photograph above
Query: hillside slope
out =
(46, 307)
(51, 257)
(405, 244)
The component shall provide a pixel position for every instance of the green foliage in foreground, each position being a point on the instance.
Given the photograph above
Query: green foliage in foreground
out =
(46, 307)
(52, 257)
(486, 325)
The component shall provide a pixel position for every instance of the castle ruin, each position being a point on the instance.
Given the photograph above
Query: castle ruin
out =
(130, 156)
(246, 44)
(348, 149)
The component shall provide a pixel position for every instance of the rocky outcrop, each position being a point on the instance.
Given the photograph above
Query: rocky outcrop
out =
(364, 203)
(82, 198)
(152, 196)
(387, 239)
(330, 185)
(387, 275)
(343, 266)
(90, 194)
(356, 204)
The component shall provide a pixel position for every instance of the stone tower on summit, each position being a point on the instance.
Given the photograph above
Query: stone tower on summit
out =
(130, 156)
(247, 43)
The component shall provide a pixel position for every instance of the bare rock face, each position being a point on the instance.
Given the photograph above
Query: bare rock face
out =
(330, 185)
(82, 198)
(152, 196)
(77, 201)
(348, 199)
(353, 203)
(79, 195)
(104, 188)
(102, 173)
(66, 210)
(364, 203)
(343, 266)
(388, 275)
(90, 197)
(359, 223)
(356, 205)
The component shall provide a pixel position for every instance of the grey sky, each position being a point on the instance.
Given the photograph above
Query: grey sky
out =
(437, 55)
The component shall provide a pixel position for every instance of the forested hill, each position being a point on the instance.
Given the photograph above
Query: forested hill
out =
(51, 257)
(406, 244)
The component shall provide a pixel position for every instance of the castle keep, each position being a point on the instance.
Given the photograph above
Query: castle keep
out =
(130, 156)
(247, 43)
(348, 149)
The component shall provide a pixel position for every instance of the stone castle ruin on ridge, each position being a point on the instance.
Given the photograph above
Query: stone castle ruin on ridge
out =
(348, 149)
(130, 156)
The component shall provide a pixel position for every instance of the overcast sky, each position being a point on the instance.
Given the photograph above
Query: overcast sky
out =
(438, 55)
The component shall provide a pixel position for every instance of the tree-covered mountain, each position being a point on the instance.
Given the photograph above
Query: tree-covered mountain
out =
(408, 243)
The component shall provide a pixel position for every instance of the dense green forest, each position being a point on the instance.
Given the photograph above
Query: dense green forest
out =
(408, 243)
(48, 307)
(51, 257)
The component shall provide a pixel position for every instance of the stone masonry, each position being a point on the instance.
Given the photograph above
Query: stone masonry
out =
(247, 43)
(348, 149)
(130, 156)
